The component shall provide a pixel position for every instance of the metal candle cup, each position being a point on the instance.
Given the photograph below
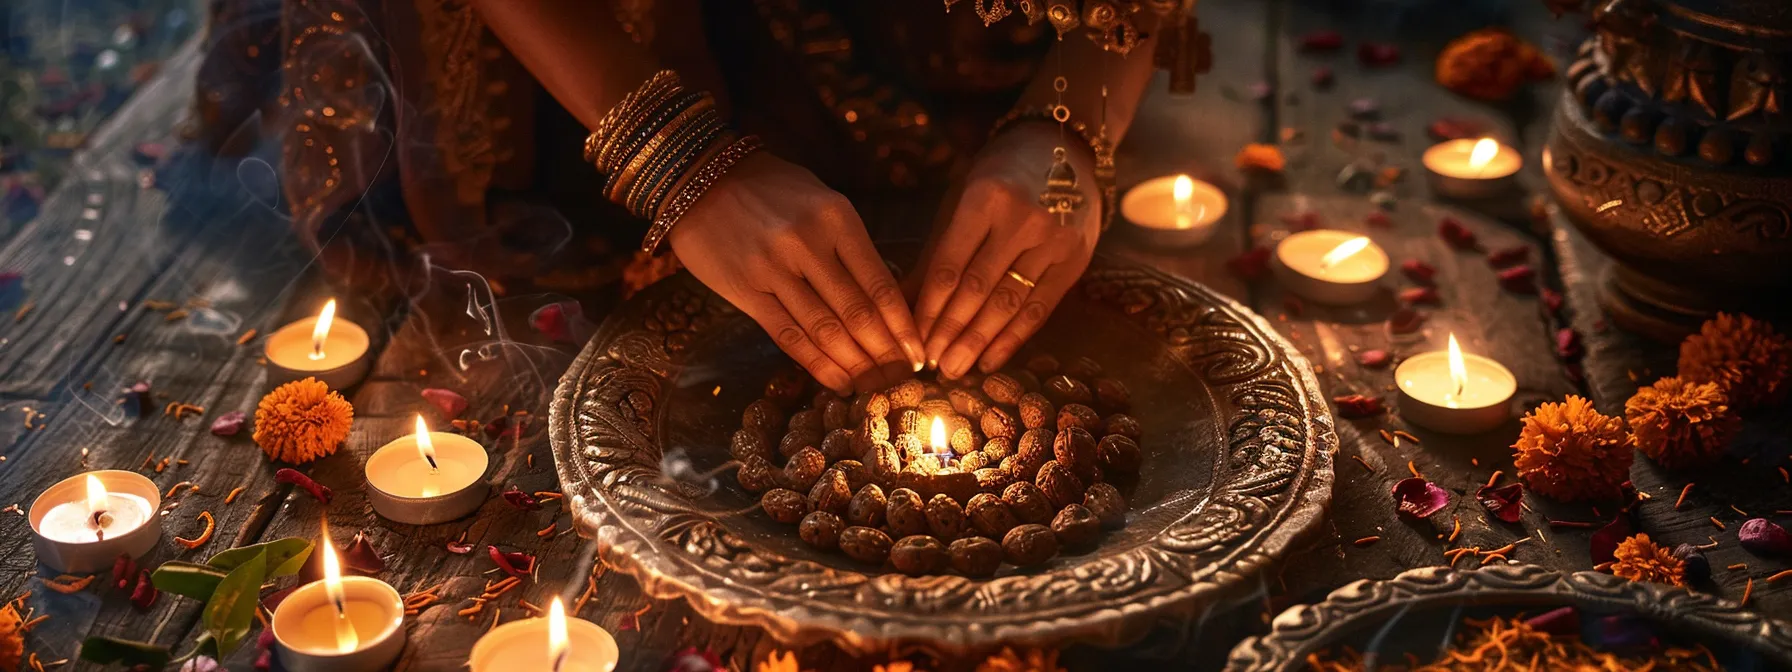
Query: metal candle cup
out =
(404, 488)
(529, 644)
(1173, 210)
(304, 628)
(1475, 398)
(1471, 169)
(293, 351)
(65, 539)
(1330, 267)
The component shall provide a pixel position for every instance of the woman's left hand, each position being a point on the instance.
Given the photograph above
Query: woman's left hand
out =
(1004, 262)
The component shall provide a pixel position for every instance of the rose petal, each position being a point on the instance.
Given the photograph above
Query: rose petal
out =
(1419, 498)
(515, 563)
(1378, 219)
(228, 424)
(1322, 40)
(1418, 295)
(1252, 265)
(1504, 257)
(1377, 54)
(1504, 502)
(1374, 359)
(264, 647)
(1564, 621)
(448, 401)
(1552, 300)
(1454, 128)
(1574, 373)
(201, 664)
(124, 571)
(1456, 234)
(1606, 539)
(144, 595)
(1354, 406)
(1418, 271)
(273, 600)
(521, 500)
(1322, 77)
(1364, 108)
(693, 659)
(1698, 567)
(1568, 345)
(362, 557)
(1405, 321)
(1763, 537)
(1520, 279)
(298, 478)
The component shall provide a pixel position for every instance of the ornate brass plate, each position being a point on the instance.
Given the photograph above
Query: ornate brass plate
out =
(1238, 462)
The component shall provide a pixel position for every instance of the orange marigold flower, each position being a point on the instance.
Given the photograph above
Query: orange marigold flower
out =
(1490, 64)
(1570, 451)
(1743, 355)
(301, 421)
(1681, 424)
(12, 638)
(1028, 660)
(1262, 158)
(1640, 559)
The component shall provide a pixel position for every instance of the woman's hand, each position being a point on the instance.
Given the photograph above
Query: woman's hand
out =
(793, 254)
(971, 308)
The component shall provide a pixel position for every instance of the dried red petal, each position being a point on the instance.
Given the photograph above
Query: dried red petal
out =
(1568, 344)
(448, 401)
(229, 424)
(1405, 321)
(1373, 359)
(553, 322)
(460, 547)
(521, 500)
(144, 595)
(1521, 279)
(1322, 76)
(1563, 621)
(1504, 502)
(264, 646)
(516, 563)
(1377, 54)
(1352, 406)
(124, 569)
(1418, 271)
(1456, 128)
(1418, 295)
(273, 600)
(138, 398)
(1378, 219)
(362, 557)
(298, 478)
(1419, 498)
(1552, 300)
(1293, 305)
(1574, 373)
(1606, 539)
(1322, 40)
(1456, 234)
(1504, 257)
(691, 659)
(1302, 221)
(1762, 537)
(1251, 265)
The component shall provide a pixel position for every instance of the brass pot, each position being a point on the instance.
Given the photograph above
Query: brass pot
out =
(1670, 152)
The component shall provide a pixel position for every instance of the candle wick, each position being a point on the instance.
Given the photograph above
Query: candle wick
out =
(432, 463)
(316, 354)
(560, 660)
(341, 609)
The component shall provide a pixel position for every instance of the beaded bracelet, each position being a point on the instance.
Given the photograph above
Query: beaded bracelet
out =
(706, 177)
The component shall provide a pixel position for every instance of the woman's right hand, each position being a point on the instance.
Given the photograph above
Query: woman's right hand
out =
(777, 243)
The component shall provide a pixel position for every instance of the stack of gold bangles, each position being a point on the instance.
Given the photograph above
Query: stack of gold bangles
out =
(661, 148)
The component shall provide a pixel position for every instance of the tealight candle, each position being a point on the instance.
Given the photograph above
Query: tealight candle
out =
(339, 624)
(552, 644)
(1454, 393)
(1330, 267)
(427, 477)
(1173, 209)
(1471, 169)
(83, 523)
(323, 347)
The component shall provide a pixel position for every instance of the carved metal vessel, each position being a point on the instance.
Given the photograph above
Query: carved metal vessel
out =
(1238, 451)
(1413, 612)
(1670, 152)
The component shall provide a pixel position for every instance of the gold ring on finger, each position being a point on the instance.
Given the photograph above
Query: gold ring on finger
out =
(1020, 278)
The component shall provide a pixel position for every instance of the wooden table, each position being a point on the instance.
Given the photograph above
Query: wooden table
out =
(104, 249)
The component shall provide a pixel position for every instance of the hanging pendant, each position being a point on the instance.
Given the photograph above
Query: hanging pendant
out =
(1034, 10)
(991, 11)
(1060, 196)
(1064, 16)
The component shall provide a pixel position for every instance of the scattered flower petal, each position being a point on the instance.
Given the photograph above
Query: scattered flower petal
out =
(124, 571)
(1418, 271)
(1374, 359)
(1520, 279)
(555, 320)
(516, 563)
(460, 547)
(448, 401)
(1251, 265)
(1260, 158)
(137, 398)
(1294, 306)
(693, 659)
(273, 600)
(1456, 128)
(1405, 321)
(1454, 232)
(1322, 77)
(144, 595)
(362, 557)
(1377, 54)
(1352, 406)
(201, 664)
(1552, 300)
(1364, 108)
(229, 424)
(521, 500)
(1698, 567)
(264, 647)
(1508, 256)
(1504, 502)
(1606, 539)
(1763, 537)
(1568, 345)
(1322, 40)
(1385, 132)
(298, 478)
(1378, 219)
(1417, 295)
(1419, 498)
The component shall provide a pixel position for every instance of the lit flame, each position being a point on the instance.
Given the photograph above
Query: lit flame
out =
(346, 639)
(424, 447)
(1484, 151)
(557, 632)
(1458, 370)
(1343, 251)
(321, 332)
(1184, 189)
(96, 496)
(939, 435)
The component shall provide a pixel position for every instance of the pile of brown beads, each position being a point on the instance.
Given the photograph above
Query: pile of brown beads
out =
(962, 475)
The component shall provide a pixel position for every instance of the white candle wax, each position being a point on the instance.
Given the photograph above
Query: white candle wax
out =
(398, 469)
(305, 625)
(523, 645)
(1155, 208)
(1468, 396)
(72, 522)
(1457, 159)
(293, 351)
(1313, 265)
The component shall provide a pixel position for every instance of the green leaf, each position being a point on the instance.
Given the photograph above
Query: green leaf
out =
(126, 652)
(285, 556)
(187, 579)
(232, 606)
